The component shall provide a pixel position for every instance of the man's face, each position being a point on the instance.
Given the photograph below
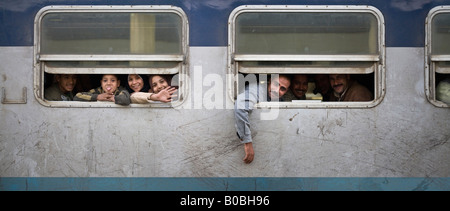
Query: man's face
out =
(66, 82)
(322, 83)
(299, 85)
(339, 82)
(278, 87)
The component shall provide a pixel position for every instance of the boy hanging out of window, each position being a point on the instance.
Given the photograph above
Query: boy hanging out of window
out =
(110, 90)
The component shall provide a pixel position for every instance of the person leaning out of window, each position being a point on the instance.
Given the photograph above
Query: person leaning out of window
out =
(138, 86)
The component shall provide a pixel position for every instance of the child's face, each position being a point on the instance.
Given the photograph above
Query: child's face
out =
(66, 82)
(135, 82)
(110, 83)
(158, 83)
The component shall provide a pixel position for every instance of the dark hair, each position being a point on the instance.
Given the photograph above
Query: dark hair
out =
(288, 76)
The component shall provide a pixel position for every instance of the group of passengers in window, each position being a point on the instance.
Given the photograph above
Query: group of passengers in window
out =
(143, 89)
(333, 87)
(139, 89)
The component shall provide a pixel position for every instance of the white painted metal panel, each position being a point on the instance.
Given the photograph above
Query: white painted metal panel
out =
(404, 136)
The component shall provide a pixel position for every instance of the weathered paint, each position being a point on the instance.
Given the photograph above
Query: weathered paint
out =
(401, 144)
(404, 136)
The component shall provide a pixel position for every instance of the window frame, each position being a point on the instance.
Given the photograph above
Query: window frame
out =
(378, 67)
(431, 61)
(40, 60)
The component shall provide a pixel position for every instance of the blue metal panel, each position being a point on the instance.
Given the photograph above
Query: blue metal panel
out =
(405, 19)
(223, 184)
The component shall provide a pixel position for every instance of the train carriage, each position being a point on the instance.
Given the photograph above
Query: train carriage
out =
(210, 49)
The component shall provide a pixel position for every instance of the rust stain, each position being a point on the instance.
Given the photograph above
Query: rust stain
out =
(292, 118)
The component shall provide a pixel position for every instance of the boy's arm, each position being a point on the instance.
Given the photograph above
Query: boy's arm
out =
(86, 96)
(123, 97)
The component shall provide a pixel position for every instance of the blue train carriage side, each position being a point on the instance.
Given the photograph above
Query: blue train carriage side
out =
(209, 50)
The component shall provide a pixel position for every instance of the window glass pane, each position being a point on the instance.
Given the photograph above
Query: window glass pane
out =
(440, 34)
(306, 33)
(111, 33)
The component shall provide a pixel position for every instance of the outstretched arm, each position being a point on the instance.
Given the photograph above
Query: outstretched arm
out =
(243, 106)
(164, 95)
(87, 96)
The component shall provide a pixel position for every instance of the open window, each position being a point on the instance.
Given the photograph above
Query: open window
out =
(437, 57)
(311, 40)
(89, 41)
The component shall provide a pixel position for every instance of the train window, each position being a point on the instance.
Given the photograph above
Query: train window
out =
(437, 57)
(92, 40)
(312, 40)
